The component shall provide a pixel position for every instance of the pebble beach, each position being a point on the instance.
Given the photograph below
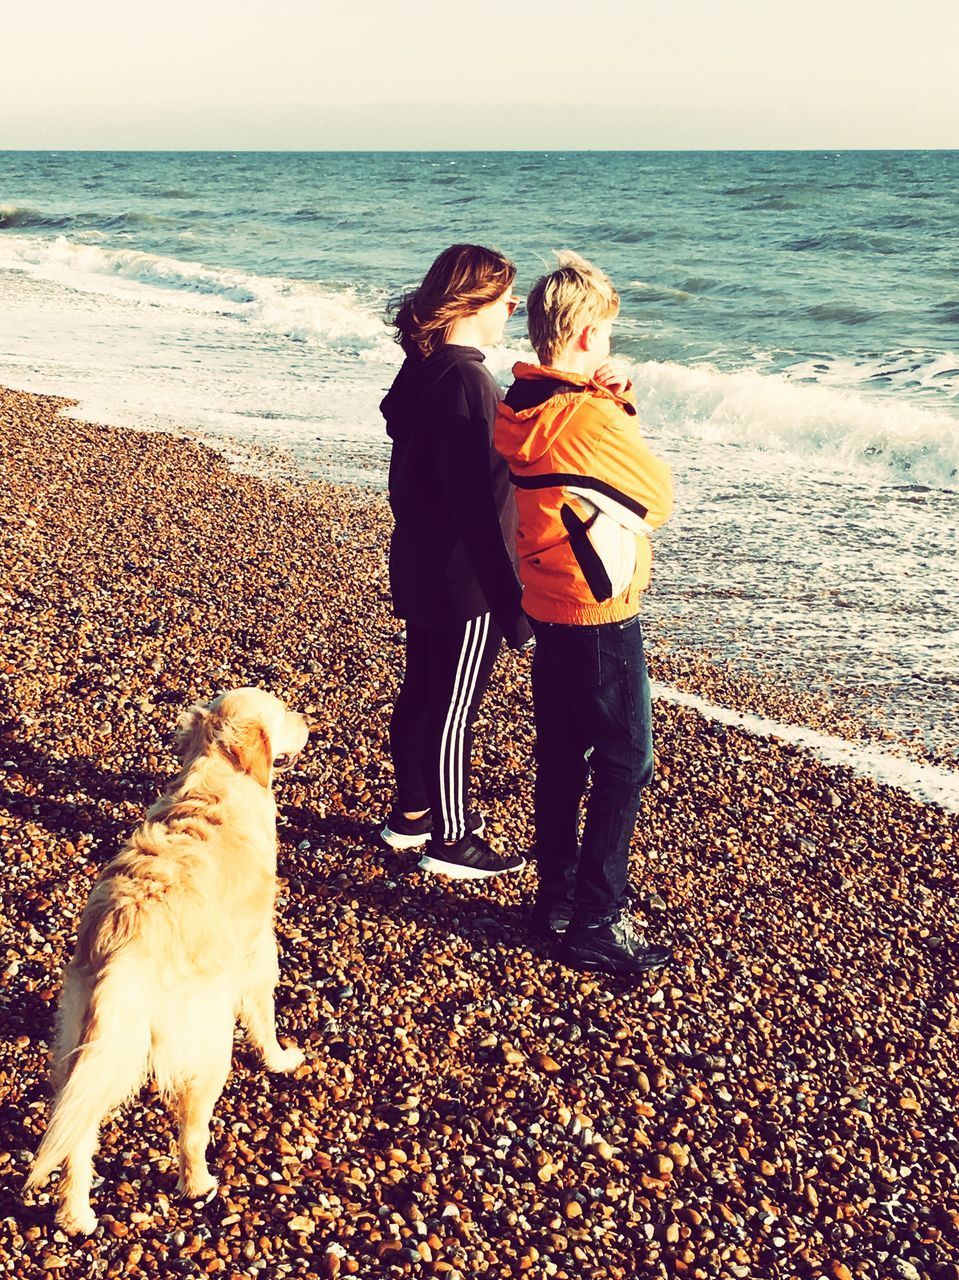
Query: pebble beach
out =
(780, 1102)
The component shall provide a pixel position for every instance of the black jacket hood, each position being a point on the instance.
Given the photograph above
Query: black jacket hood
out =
(415, 378)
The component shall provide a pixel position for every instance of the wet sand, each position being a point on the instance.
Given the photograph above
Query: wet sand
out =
(779, 1103)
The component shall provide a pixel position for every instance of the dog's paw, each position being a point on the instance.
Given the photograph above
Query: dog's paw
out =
(284, 1059)
(197, 1186)
(77, 1220)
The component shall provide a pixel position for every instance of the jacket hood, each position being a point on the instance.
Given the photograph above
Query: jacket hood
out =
(538, 408)
(415, 378)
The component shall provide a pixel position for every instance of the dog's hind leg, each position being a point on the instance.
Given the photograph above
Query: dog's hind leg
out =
(197, 1097)
(195, 1111)
(257, 1011)
(104, 1066)
(74, 1214)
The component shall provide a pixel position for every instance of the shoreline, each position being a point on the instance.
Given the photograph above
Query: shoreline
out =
(737, 689)
(778, 1103)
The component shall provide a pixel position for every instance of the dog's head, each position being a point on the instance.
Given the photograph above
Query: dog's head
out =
(251, 727)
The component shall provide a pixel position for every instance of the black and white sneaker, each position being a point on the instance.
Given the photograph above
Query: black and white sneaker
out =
(468, 859)
(401, 832)
(613, 947)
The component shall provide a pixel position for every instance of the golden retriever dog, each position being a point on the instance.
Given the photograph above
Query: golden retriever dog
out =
(175, 943)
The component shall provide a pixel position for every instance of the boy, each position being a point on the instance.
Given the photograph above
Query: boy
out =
(588, 492)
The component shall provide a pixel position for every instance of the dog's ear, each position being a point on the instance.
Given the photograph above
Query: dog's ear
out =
(253, 753)
(193, 730)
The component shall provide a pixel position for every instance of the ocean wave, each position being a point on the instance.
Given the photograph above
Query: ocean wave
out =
(19, 217)
(845, 242)
(844, 312)
(914, 372)
(500, 360)
(946, 312)
(775, 204)
(642, 292)
(865, 434)
(309, 215)
(133, 218)
(899, 221)
(337, 320)
(82, 265)
(628, 235)
(331, 319)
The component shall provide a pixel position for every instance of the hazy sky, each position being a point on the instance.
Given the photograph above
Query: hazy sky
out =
(294, 74)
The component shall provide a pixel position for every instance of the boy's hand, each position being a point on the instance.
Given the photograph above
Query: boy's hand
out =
(611, 378)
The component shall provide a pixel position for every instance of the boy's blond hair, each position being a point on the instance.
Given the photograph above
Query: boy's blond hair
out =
(561, 304)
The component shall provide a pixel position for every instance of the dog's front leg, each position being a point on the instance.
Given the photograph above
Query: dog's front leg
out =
(257, 1012)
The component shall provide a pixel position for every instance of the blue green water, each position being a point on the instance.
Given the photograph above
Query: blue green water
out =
(789, 255)
(791, 321)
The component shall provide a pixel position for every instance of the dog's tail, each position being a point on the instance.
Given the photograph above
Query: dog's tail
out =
(105, 1064)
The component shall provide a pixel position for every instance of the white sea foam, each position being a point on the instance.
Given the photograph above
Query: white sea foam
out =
(857, 433)
(337, 321)
(90, 268)
(925, 782)
(500, 360)
(301, 310)
(908, 370)
(854, 431)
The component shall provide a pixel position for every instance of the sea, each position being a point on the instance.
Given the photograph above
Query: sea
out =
(790, 321)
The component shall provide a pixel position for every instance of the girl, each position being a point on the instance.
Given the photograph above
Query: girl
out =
(452, 574)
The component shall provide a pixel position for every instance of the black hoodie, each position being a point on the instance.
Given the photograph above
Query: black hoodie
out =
(451, 555)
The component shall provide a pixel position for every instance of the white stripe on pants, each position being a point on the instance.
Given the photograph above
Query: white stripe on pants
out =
(454, 730)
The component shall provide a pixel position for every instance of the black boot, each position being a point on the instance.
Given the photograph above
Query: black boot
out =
(611, 947)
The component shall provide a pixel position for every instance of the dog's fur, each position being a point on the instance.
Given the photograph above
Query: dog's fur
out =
(175, 942)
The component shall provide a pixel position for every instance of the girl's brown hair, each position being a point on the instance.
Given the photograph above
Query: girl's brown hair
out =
(463, 278)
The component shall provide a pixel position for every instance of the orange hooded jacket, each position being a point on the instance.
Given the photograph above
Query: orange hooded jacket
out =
(588, 491)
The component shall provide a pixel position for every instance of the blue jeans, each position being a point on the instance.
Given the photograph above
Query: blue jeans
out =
(592, 710)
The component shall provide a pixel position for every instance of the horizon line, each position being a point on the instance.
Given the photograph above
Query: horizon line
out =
(841, 150)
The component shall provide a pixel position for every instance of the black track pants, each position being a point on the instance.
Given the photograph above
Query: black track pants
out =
(431, 732)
